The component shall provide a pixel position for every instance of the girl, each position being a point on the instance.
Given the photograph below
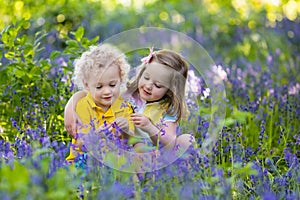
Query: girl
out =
(160, 86)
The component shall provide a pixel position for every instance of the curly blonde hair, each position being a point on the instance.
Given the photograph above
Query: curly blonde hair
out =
(95, 59)
(175, 97)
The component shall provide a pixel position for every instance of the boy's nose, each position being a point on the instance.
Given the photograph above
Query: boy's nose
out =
(107, 90)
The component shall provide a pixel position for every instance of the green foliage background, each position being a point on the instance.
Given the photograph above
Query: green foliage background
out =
(229, 30)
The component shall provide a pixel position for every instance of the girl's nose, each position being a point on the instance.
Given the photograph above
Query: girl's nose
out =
(149, 85)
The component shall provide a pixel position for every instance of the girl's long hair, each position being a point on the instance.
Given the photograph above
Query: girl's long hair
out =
(175, 96)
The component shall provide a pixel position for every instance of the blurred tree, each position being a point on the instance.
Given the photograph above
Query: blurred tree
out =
(231, 30)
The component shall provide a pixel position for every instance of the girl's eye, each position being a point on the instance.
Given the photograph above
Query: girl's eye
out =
(158, 86)
(146, 78)
(98, 87)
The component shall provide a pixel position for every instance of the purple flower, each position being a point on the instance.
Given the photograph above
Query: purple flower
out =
(269, 196)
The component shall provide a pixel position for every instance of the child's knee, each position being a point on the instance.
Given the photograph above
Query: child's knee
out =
(186, 140)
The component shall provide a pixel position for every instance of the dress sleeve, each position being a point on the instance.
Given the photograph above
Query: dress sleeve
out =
(170, 118)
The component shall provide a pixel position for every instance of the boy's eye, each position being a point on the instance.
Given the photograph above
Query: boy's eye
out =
(146, 78)
(99, 87)
(113, 84)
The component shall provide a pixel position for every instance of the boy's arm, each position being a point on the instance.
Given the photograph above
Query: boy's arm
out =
(70, 116)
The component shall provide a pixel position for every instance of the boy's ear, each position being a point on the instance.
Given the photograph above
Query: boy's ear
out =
(86, 85)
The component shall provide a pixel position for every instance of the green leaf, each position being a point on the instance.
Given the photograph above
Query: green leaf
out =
(28, 52)
(229, 121)
(14, 179)
(79, 33)
(34, 72)
(95, 39)
(240, 116)
(22, 40)
(247, 170)
(20, 73)
(5, 39)
(5, 29)
(54, 54)
(72, 43)
(39, 36)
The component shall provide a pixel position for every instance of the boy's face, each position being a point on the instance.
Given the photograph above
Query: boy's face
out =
(105, 86)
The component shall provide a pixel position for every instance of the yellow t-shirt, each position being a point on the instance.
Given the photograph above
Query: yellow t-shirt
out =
(88, 112)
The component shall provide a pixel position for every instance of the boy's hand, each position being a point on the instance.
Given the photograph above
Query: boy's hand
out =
(104, 128)
(123, 124)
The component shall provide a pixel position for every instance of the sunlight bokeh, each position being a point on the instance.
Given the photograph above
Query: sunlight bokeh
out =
(275, 10)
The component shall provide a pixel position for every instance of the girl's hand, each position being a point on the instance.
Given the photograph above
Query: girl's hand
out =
(140, 120)
(70, 117)
(71, 121)
(79, 143)
(144, 123)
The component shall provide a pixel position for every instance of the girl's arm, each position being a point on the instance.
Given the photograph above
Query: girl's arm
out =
(70, 116)
(166, 135)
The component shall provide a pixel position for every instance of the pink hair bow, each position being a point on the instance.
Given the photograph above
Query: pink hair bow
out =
(148, 58)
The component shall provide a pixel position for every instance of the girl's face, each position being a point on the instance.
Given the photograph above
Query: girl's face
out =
(154, 82)
(105, 88)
